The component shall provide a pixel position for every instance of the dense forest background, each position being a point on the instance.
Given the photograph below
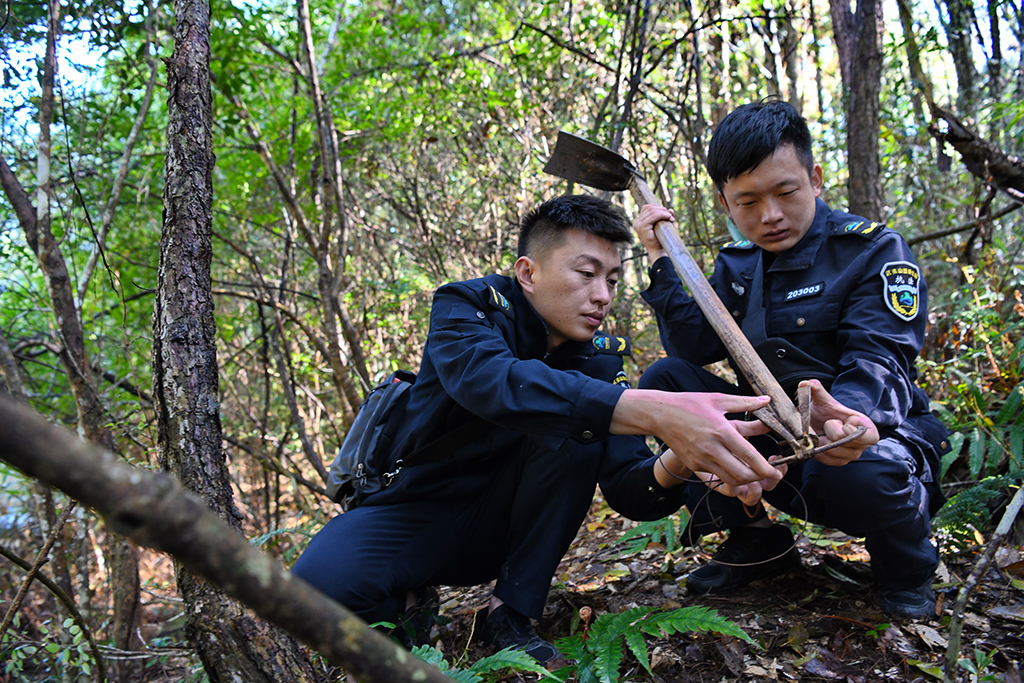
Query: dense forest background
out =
(366, 152)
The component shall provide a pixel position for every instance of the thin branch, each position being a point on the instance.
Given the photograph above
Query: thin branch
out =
(154, 510)
(957, 624)
(35, 575)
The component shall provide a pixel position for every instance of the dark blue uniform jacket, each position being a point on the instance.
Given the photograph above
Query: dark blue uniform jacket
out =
(849, 297)
(486, 354)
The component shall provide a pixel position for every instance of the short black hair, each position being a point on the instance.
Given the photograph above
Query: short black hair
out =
(751, 133)
(543, 228)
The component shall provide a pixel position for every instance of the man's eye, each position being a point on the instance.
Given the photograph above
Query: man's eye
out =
(613, 283)
(586, 273)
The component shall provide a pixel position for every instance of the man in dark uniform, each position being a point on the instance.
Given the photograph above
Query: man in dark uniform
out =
(524, 353)
(822, 296)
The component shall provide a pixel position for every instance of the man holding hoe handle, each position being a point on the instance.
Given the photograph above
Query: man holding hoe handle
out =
(828, 300)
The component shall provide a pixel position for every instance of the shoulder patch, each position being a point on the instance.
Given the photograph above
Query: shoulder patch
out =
(499, 301)
(863, 228)
(902, 291)
(618, 346)
(621, 380)
(739, 244)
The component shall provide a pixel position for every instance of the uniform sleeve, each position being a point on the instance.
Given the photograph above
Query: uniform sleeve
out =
(878, 345)
(685, 331)
(628, 484)
(477, 368)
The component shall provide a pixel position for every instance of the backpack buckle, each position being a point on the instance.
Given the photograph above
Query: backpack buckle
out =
(389, 477)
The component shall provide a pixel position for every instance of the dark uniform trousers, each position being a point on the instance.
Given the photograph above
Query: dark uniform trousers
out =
(515, 516)
(878, 496)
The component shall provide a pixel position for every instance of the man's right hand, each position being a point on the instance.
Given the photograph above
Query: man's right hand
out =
(649, 216)
(694, 426)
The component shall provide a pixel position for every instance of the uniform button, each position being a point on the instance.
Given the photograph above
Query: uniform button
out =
(800, 322)
(481, 315)
(781, 353)
(587, 434)
(736, 314)
(944, 445)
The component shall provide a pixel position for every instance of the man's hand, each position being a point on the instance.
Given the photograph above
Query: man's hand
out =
(649, 216)
(670, 471)
(694, 426)
(833, 421)
(748, 493)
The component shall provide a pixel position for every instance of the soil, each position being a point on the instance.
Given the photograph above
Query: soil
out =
(819, 623)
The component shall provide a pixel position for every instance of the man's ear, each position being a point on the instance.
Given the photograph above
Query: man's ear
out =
(525, 268)
(721, 200)
(817, 179)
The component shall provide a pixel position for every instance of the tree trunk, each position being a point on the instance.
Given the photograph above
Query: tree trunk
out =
(858, 40)
(231, 642)
(958, 23)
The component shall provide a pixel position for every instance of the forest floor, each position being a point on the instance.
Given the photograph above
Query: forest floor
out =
(820, 623)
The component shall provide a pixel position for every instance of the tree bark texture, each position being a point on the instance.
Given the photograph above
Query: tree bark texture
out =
(154, 510)
(958, 23)
(231, 642)
(858, 40)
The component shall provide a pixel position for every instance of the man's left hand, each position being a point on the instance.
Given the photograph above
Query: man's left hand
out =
(833, 421)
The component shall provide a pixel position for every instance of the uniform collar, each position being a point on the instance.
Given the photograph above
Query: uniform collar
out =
(803, 253)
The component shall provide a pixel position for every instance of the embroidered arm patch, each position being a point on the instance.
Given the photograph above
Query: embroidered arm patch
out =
(902, 291)
(618, 346)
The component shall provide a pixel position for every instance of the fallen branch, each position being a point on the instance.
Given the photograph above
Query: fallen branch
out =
(154, 510)
(956, 625)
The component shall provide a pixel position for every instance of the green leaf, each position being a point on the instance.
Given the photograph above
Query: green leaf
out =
(1015, 439)
(1011, 406)
(976, 452)
(638, 646)
(607, 661)
(956, 442)
(695, 618)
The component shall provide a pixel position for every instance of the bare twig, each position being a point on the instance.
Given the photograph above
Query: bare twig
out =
(65, 599)
(957, 624)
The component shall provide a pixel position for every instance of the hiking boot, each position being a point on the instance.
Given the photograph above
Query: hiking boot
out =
(916, 603)
(415, 625)
(504, 627)
(750, 553)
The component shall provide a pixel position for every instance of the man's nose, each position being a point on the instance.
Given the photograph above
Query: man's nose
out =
(603, 292)
(772, 211)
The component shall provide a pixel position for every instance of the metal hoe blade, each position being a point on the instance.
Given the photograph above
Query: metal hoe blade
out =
(581, 161)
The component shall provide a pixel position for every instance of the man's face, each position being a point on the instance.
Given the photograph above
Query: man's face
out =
(571, 286)
(773, 205)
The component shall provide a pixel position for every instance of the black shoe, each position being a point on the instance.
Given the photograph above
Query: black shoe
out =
(750, 553)
(504, 627)
(916, 603)
(414, 627)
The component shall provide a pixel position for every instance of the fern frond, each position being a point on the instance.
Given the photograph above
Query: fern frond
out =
(693, 618)
(508, 658)
(607, 661)
(638, 646)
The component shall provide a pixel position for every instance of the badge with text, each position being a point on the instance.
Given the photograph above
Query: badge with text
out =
(902, 288)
